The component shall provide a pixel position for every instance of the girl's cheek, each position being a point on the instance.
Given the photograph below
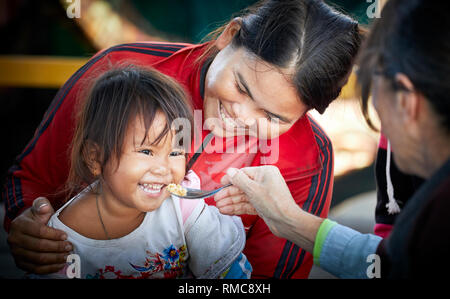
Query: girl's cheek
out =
(181, 173)
(178, 169)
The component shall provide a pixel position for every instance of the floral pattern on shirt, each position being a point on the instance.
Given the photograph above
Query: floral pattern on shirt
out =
(169, 264)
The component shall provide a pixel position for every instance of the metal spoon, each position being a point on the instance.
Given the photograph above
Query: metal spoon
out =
(197, 193)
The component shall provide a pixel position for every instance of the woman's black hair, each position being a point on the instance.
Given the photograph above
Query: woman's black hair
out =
(314, 39)
(412, 37)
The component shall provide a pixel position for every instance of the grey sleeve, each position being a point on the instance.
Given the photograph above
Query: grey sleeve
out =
(214, 241)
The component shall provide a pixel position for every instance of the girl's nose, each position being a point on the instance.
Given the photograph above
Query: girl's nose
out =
(161, 167)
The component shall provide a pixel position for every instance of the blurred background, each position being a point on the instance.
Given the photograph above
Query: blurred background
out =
(42, 46)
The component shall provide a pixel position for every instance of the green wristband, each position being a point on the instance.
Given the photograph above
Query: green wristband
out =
(321, 236)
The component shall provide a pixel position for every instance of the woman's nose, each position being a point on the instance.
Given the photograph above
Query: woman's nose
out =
(242, 111)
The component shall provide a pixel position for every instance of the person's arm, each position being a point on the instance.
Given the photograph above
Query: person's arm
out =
(338, 249)
(343, 251)
(284, 258)
(239, 269)
(215, 243)
(205, 224)
(41, 170)
(273, 256)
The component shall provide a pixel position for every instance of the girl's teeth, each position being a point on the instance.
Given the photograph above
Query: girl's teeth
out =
(151, 188)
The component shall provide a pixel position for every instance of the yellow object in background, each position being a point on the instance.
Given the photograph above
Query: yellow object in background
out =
(54, 71)
(349, 89)
(37, 71)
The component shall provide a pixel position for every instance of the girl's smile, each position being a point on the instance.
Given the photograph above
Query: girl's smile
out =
(152, 190)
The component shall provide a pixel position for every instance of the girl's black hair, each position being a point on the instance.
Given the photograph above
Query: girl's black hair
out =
(411, 37)
(319, 42)
(116, 98)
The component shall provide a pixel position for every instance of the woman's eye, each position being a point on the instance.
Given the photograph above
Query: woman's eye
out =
(269, 117)
(240, 89)
(146, 152)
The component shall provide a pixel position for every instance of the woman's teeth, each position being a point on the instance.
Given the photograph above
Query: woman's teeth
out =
(229, 121)
(151, 188)
(224, 117)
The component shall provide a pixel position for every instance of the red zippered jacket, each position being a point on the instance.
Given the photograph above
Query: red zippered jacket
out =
(305, 154)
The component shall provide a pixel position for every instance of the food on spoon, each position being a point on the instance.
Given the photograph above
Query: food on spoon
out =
(177, 189)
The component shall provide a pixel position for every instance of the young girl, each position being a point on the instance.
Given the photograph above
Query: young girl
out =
(125, 224)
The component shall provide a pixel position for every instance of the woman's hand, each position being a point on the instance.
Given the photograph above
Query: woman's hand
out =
(263, 190)
(258, 190)
(232, 200)
(37, 248)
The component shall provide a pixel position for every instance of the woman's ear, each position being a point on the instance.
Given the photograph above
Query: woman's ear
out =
(227, 35)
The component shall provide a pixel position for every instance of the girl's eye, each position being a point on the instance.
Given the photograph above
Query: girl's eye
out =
(176, 153)
(146, 152)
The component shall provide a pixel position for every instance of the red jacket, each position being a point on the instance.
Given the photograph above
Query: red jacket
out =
(305, 155)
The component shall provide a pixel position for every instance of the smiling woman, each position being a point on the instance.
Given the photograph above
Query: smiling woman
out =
(278, 61)
(256, 93)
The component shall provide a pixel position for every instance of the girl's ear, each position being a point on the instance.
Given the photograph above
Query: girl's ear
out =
(227, 35)
(91, 155)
